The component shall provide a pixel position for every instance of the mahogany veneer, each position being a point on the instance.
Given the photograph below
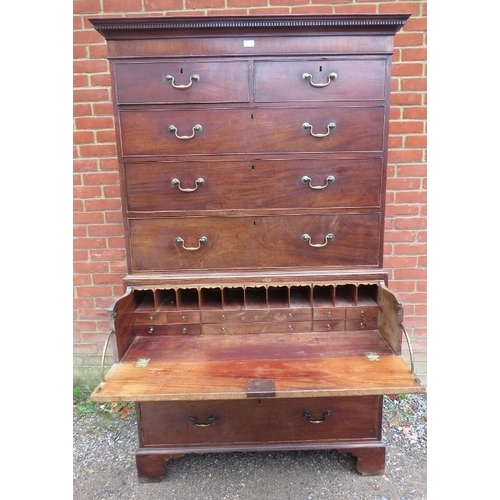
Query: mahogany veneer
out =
(256, 314)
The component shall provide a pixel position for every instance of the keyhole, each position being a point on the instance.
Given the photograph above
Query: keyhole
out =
(253, 168)
(321, 68)
(251, 116)
(182, 70)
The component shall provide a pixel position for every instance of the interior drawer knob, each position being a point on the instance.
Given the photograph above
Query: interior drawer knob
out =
(328, 237)
(194, 420)
(308, 78)
(326, 414)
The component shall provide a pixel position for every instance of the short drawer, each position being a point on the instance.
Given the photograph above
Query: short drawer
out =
(320, 80)
(150, 329)
(361, 324)
(362, 313)
(254, 242)
(332, 325)
(151, 318)
(183, 317)
(264, 130)
(290, 183)
(328, 313)
(259, 421)
(181, 82)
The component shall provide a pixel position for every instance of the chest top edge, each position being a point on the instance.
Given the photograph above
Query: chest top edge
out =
(133, 27)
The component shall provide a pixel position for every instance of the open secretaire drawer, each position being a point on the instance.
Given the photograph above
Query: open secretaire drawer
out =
(291, 340)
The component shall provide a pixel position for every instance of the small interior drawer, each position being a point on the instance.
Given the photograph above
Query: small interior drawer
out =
(332, 325)
(151, 318)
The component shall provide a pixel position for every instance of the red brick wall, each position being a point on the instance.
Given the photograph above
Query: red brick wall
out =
(99, 244)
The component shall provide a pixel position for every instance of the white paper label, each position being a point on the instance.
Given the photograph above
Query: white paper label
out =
(248, 43)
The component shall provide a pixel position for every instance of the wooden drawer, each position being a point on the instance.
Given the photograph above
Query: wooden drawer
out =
(362, 313)
(151, 318)
(271, 130)
(291, 183)
(254, 242)
(361, 324)
(183, 317)
(170, 329)
(330, 325)
(258, 421)
(150, 329)
(351, 79)
(328, 313)
(253, 315)
(235, 328)
(141, 82)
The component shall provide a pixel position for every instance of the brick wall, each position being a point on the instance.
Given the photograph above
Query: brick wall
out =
(99, 244)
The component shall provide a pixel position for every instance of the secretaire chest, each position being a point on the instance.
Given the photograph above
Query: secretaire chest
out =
(253, 156)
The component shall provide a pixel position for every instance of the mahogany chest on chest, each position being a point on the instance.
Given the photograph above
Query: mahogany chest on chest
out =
(256, 313)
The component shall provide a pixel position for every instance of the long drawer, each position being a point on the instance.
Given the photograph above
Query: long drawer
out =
(265, 130)
(259, 421)
(320, 80)
(255, 242)
(221, 185)
(171, 82)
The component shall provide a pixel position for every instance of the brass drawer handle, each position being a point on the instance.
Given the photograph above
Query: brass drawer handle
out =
(193, 78)
(307, 180)
(331, 77)
(196, 128)
(329, 127)
(201, 241)
(326, 414)
(194, 421)
(198, 182)
(328, 237)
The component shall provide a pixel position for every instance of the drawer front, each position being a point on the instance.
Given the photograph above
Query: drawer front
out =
(219, 131)
(253, 315)
(361, 324)
(171, 329)
(331, 325)
(362, 313)
(151, 329)
(179, 82)
(263, 327)
(320, 80)
(183, 317)
(328, 313)
(151, 318)
(297, 183)
(254, 242)
(259, 421)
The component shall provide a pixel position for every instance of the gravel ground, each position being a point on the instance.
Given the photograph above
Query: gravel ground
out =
(104, 446)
